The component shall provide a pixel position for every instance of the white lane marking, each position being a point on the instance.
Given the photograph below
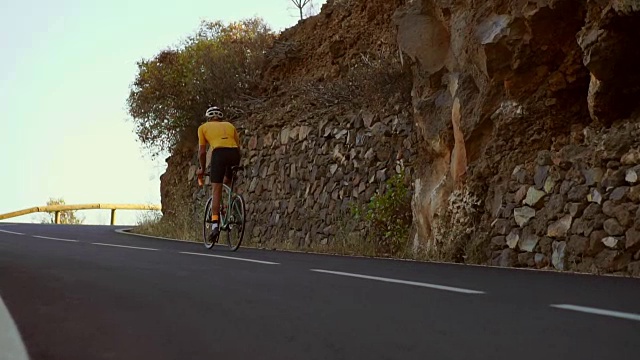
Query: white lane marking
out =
(231, 258)
(52, 238)
(405, 282)
(10, 339)
(11, 232)
(124, 246)
(590, 310)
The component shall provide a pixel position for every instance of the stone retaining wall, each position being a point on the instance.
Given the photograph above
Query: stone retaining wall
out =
(299, 178)
(569, 216)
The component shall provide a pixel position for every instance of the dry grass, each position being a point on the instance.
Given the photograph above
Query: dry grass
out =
(459, 240)
(374, 79)
(352, 237)
(180, 227)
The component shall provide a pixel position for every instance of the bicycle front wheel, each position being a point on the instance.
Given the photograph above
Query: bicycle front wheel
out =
(236, 225)
(207, 225)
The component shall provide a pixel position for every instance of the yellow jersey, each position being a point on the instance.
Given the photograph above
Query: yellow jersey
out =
(219, 134)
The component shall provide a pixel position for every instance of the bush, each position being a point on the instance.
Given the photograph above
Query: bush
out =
(66, 217)
(213, 67)
(388, 216)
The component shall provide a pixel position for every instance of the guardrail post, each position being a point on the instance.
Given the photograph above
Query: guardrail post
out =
(113, 216)
(57, 217)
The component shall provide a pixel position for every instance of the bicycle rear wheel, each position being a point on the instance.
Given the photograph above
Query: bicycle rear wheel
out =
(236, 224)
(207, 225)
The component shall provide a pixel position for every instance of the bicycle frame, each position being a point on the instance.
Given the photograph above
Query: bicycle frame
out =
(224, 219)
(231, 206)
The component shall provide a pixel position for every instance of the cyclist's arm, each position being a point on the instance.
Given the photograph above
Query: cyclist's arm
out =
(202, 151)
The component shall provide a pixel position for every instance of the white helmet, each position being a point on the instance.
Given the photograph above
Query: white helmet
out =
(214, 112)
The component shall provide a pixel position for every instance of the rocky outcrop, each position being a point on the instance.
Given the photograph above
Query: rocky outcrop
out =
(494, 68)
(175, 192)
(495, 83)
(611, 52)
(518, 131)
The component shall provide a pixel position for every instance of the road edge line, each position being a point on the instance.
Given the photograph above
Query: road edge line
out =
(505, 268)
(11, 341)
(127, 231)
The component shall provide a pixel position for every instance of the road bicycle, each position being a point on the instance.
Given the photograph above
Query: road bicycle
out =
(231, 218)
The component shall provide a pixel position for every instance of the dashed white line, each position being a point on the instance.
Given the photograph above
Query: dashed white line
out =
(604, 312)
(405, 282)
(124, 246)
(52, 238)
(11, 232)
(231, 258)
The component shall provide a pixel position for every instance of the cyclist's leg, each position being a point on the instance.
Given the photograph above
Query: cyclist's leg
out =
(215, 206)
(227, 177)
(216, 175)
(233, 159)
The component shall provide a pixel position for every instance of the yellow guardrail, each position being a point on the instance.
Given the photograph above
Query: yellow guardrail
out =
(58, 208)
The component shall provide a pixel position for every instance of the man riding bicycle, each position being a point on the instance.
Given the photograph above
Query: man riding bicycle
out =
(223, 138)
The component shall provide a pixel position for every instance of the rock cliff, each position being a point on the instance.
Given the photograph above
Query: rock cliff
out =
(515, 122)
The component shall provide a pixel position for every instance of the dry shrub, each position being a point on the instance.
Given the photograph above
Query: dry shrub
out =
(184, 224)
(373, 78)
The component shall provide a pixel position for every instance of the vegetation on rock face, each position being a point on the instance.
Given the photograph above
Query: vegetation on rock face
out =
(218, 64)
(388, 216)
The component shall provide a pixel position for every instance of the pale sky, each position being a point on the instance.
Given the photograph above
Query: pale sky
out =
(66, 69)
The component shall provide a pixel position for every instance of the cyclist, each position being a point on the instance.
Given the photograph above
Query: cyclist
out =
(223, 138)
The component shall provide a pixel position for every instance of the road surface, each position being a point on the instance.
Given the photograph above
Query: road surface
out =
(87, 292)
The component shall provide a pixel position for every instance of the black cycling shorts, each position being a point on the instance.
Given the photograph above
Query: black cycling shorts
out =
(222, 159)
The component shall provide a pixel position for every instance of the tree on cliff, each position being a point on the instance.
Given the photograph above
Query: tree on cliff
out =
(216, 65)
(66, 217)
(300, 5)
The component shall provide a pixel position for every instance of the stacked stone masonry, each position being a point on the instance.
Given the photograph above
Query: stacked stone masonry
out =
(563, 215)
(301, 178)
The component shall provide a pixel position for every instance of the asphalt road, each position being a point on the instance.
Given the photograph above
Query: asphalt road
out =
(87, 292)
